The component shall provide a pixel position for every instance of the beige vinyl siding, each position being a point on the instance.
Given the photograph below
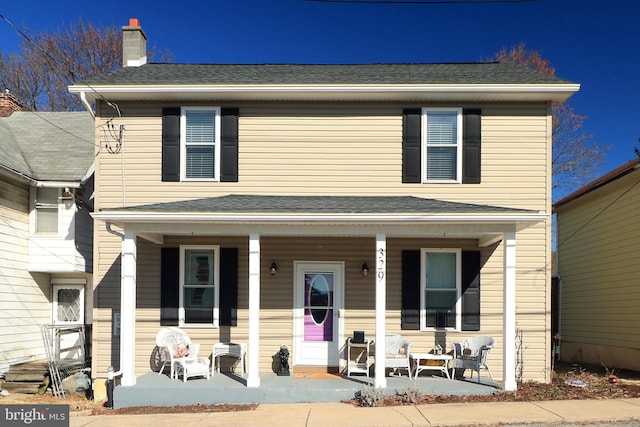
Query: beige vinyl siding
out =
(24, 296)
(351, 150)
(598, 243)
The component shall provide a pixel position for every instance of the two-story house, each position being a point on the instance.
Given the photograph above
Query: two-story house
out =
(46, 244)
(280, 204)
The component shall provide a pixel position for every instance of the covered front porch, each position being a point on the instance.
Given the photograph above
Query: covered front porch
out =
(385, 226)
(152, 389)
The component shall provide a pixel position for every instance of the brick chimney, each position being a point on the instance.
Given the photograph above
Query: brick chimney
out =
(8, 104)
(134, 44)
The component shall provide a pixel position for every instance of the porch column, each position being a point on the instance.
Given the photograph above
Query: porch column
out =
(253, 375)
(380, 380)
(128, 308)
(509, 310)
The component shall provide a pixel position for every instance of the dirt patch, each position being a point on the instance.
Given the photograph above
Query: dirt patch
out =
(568, 382)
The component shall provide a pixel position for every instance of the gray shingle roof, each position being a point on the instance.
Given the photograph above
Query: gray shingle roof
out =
(238, 74)
(48, 146)
(318, 204)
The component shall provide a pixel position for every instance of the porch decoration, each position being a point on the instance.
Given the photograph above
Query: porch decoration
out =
(283, 369)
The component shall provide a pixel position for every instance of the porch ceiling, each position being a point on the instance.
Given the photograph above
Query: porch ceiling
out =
(346, 216)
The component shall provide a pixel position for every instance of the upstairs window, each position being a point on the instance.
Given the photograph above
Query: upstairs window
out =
(200, 143)
(46, 209)
(442, 144)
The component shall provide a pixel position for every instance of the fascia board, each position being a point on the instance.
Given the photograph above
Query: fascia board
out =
(550, 92)
(146, 217)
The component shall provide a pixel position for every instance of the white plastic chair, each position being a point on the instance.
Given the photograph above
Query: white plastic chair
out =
(181, 354)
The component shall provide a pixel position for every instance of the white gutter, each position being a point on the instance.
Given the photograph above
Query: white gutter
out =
(551, 92)
(154, 217)
(57, 184)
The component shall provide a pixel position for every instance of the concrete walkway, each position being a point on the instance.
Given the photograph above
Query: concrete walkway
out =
(340, 414)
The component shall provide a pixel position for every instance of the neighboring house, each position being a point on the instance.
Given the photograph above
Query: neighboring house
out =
(599, 272)
(246, 199)
(46, 243)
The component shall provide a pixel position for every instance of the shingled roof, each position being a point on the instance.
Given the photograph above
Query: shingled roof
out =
(237, 203)
(237, 74)
(47, 146)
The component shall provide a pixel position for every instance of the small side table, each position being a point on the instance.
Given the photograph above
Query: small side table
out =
(361, 353)
(442, 366)
(238, 350)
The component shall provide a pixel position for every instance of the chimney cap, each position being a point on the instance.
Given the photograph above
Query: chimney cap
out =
(134, 22)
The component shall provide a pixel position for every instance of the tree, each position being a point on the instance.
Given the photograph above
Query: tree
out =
(576, 157)
(38, 75)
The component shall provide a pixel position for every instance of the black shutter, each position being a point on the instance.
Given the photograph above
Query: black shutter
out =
(470, 290)
(169, 286)
(228, 287)
(229, 145)
(171, 144)
(471, 131)
(410, 313)
(411, 155)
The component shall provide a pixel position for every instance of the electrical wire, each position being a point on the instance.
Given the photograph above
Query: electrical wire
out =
(423, 2)
(614, 201)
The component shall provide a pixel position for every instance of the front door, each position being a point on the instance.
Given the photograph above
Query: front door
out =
(318, 303)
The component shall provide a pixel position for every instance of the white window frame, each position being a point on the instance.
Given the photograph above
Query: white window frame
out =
(34, 212)
(425, 114)
(423, 289)
(183, 143)
(216, 286)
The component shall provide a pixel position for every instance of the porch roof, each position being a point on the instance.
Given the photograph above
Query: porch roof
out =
(321, 215)
(242, 203)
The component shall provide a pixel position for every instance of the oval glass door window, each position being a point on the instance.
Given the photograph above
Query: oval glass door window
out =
(318, 307)
(319, 299)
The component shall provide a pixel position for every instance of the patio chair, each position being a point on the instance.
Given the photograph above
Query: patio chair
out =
(397, 353)
(472, 354)
(181, 354)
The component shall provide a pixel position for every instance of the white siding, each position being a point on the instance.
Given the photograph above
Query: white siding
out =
(24, 297)
(61, 252)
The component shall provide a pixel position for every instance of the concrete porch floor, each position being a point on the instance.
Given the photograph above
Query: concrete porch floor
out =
(160, 390)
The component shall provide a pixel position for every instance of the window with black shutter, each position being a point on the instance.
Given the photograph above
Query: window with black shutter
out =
(207, 150)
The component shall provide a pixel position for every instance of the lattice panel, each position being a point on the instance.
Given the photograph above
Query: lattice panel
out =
(69, 305)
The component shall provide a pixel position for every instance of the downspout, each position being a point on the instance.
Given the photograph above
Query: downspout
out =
(87, 106)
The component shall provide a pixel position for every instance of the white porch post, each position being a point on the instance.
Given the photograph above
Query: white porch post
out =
(253, 377)
(128, 308)
(509, 310)
(380, 380)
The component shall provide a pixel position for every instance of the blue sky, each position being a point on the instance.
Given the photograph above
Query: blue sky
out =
(592, 42)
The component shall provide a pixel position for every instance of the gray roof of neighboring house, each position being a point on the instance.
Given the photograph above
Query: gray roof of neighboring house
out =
(319, 204)
(47, 146)
(212, 74)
